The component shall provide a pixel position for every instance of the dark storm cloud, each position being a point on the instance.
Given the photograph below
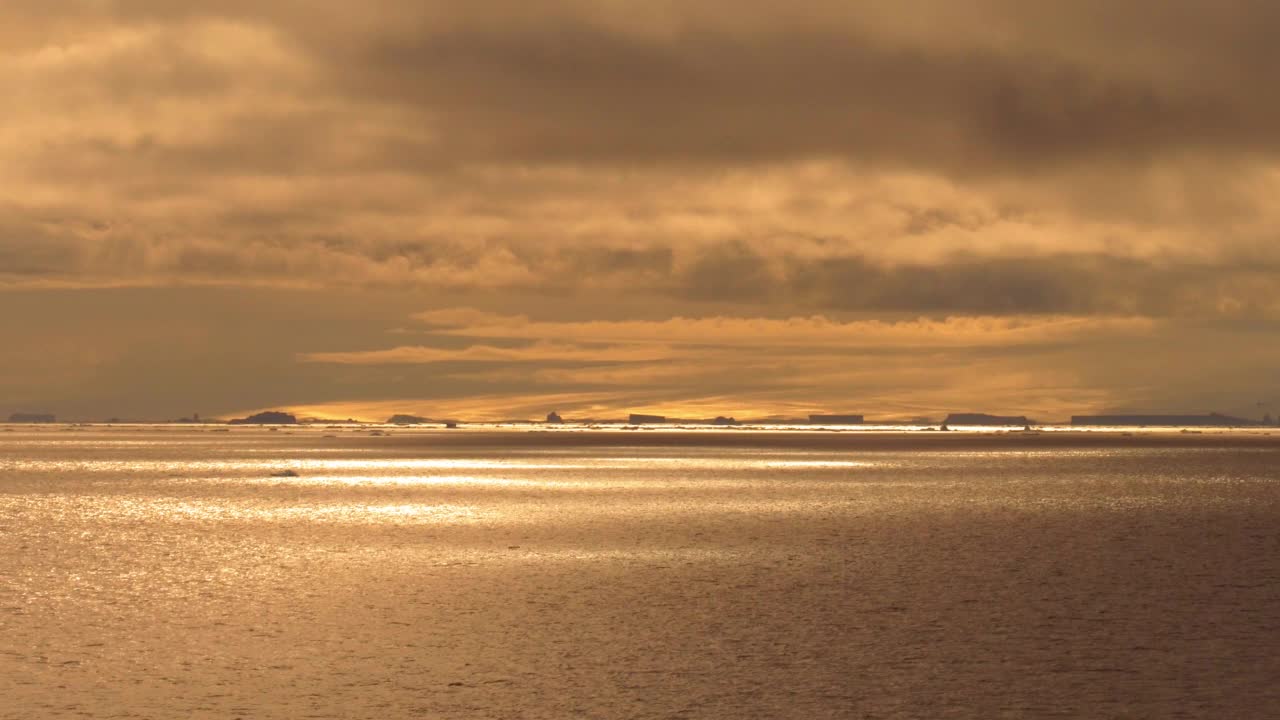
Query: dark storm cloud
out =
(963, 283)
(751, 83)
(740, 82)
(741, 273)
(427, 89)
(1052, 284)
(576, 93)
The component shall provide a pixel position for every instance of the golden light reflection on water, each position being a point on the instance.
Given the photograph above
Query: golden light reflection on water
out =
(135, 510)
(809, 464)
(494, 481)
(235, 483)
(379, 466)
(398, 480)
(255, 465)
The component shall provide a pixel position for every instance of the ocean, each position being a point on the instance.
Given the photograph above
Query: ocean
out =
(507, 572)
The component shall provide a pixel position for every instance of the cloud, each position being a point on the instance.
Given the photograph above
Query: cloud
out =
(713, 183)
(536, 352)
(795, 334)
(755, 366)
(588, 91)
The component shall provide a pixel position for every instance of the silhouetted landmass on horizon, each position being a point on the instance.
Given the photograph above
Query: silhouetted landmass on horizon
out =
(836, 419)
(984, 419)
(407, 420)
(276, 417)
(719, 420)
(32, 418)
(271, 417)
(1210, 420)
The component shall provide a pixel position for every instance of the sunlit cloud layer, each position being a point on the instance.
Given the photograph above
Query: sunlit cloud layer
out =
(906, 207)
(803, 332)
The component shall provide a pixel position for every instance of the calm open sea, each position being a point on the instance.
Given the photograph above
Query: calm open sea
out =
(163, 572)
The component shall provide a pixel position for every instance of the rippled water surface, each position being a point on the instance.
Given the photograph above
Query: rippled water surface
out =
(162, 572)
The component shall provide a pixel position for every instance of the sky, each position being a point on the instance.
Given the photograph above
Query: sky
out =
(497, 209)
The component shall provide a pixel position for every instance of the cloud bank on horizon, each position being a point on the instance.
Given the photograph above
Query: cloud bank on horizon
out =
(899, 209)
